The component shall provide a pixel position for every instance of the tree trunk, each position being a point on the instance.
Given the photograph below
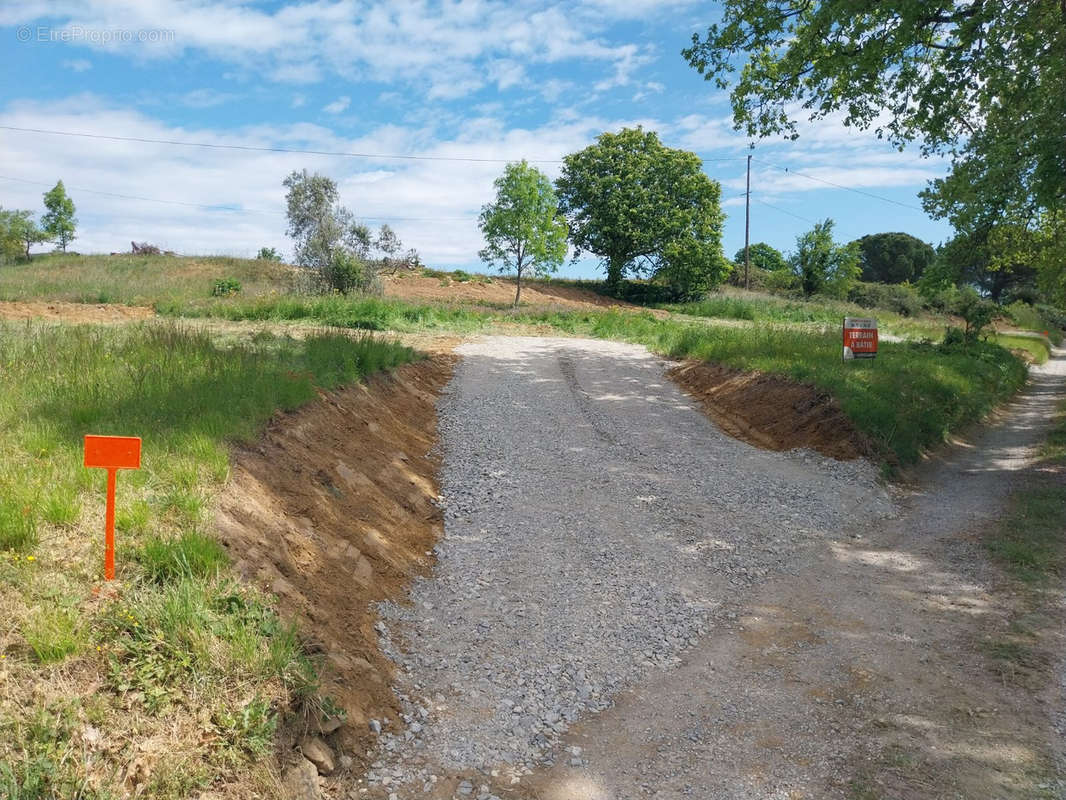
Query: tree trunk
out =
(518, 287)
(614, 275)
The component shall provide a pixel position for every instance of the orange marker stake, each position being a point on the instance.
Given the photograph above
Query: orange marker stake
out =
(112, 453)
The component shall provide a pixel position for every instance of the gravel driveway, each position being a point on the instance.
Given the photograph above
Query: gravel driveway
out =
(597, 525)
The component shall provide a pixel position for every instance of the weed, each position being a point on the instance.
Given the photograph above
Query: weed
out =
(18, 525)
(226, 287)
(53, 633)
(191, 555)
(245, 732)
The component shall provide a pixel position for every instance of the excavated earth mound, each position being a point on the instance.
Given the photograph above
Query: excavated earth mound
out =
(770, 411)
(333, 510)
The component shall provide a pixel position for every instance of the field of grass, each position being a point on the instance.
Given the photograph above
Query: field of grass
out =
(176, 659)
(137, 280)
(761, 307)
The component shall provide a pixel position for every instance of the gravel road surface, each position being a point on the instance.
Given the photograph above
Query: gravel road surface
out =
(597, 525)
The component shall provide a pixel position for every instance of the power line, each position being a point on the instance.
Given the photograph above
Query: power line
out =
(846, 188)
(230, 209)
(783, 211)
(298, 151)
(259, 149)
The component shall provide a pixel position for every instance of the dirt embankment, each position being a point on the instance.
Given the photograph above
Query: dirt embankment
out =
(770, 411)
(334, 510)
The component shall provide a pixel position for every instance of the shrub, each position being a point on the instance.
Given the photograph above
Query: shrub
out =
(780, 281)
(975, 310)
(226, 287)
(345, 273)
(268, 254)
(900, 298)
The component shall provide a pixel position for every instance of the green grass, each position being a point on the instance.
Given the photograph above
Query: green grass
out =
(53, 633)
(137, 280)
(819, 312)
(1038, 349)
(179, 634)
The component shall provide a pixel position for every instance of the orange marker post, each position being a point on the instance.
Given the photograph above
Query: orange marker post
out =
(112, 453)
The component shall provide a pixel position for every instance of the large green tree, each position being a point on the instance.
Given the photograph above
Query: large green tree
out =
(59, 221)
(763, 256)
(524, 231)
(981, 81)
(822, 265)
(645, 209)
(894, 257)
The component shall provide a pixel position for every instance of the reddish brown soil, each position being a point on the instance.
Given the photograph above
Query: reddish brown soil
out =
(333, 511)
(73, 312)
(499, 292)
(770, 411)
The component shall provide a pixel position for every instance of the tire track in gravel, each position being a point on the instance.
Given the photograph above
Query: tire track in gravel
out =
(597, 527)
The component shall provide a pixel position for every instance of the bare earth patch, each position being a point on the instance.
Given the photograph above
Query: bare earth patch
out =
(73, 312)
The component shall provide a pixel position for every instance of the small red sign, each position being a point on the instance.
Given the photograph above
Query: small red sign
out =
(111, 453)
(860, 337)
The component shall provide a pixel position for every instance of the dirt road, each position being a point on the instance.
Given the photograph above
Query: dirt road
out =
(746, 624)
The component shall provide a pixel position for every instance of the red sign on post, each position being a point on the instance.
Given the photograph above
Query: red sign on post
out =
(112, 453)
(860, 337)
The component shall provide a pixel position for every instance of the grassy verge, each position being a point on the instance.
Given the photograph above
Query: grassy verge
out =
(1037, 349)
(753, 306)
(177, 678)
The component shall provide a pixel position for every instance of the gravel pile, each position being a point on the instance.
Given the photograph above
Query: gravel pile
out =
(596, 525)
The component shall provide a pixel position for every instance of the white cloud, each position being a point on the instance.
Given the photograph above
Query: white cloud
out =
(78, 64)
(205, 98)
(416, 43)
(338, 105)
(298, 101)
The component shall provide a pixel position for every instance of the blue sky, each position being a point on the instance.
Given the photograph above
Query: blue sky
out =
(480, 79)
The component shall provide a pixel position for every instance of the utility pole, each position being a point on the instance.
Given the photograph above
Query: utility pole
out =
(747, 229)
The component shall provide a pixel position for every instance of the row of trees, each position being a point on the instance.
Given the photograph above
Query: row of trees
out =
(19, 231)
(645, 209)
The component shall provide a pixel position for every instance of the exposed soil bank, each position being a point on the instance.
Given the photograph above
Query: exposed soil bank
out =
(334, 510)
(770, 411)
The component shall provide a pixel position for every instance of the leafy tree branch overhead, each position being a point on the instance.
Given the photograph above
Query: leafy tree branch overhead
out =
(979, 81)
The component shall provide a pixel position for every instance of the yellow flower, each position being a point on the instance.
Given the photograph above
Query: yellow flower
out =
(31, 558)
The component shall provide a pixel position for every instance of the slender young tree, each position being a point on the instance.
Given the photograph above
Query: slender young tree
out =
(524, 231)
(59, 222)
